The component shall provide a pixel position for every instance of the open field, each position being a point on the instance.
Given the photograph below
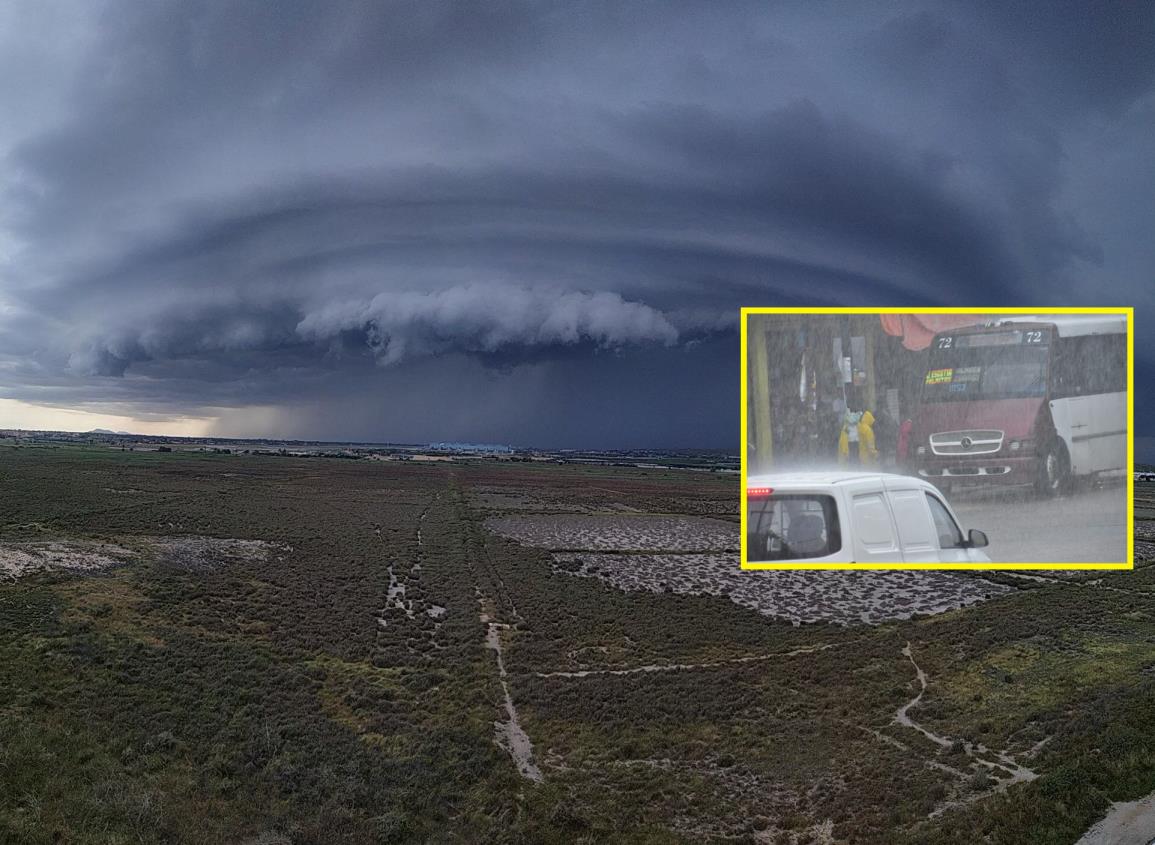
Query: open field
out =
(263, 649)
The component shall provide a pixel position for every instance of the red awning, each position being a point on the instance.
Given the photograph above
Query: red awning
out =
(917, 330)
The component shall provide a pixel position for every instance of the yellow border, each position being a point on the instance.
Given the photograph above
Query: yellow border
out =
(1130, 483)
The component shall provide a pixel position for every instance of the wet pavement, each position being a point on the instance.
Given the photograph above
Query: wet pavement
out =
(1087, 526)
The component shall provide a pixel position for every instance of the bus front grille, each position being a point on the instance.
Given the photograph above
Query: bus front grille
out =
(980, 442)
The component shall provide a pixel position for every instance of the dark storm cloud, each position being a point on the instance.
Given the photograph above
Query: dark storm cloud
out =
(314, 206)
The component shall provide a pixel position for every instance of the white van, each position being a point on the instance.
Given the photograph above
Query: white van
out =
(854, 517)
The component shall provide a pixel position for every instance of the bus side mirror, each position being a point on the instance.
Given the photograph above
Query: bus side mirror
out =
(977, 539)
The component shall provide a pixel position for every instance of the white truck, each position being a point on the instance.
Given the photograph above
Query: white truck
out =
(854, 517)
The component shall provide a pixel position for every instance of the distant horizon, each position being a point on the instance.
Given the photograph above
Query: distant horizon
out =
(384, 443)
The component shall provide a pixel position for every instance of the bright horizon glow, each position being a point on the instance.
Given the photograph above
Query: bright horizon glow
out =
(26, 415)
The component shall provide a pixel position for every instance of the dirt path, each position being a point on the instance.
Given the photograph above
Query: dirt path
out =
(674, 667)
(510, 734)
(901, 716)
(1127, 823)
(421, 525)
(1003, 768)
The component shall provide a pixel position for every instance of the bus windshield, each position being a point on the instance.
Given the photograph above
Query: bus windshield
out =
(988, 365)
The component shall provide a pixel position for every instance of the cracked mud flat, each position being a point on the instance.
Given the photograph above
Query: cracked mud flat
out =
(843, 597)
(19, 559)
(619, 533)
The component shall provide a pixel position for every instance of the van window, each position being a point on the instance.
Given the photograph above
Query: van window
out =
(949, 535)
(792, 526)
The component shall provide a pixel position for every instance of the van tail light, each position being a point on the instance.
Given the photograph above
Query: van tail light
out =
(759, 492)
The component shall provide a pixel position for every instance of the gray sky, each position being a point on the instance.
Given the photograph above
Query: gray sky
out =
(534, 222)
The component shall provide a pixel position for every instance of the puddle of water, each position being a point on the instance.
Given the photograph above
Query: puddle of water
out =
(395, 598)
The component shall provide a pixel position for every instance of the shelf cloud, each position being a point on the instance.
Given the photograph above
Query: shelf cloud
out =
(286, 212)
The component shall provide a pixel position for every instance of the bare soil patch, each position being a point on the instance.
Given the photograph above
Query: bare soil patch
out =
(205, 554)
(20, 559)
(193, 554)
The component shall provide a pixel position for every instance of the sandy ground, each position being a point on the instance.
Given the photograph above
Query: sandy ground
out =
(642, 532)
(847, 598)
(194, 554)
(1127, 823)
(19, 559)
(1086, 526)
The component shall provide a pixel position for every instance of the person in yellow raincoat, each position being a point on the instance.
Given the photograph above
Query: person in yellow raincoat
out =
(867, 451)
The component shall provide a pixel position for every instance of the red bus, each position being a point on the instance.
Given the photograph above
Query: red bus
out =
(1030, 400)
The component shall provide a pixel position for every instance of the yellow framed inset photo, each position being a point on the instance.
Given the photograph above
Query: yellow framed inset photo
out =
(937, 438)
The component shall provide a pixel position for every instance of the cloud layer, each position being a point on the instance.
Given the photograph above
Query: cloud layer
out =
(246, 210)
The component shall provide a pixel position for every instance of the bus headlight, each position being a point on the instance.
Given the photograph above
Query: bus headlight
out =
(1015, 445)
(1024, 445)
(921, 450)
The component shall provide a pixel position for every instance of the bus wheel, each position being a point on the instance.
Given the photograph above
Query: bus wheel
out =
(1054, 470)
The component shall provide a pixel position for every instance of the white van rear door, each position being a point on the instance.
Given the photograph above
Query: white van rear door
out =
(872, 524)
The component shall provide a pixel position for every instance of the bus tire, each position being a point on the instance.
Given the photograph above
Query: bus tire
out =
(1054, 476)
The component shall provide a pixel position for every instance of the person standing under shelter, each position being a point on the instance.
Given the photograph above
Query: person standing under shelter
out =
(848, 452)
(885, 437)
(867, 451)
